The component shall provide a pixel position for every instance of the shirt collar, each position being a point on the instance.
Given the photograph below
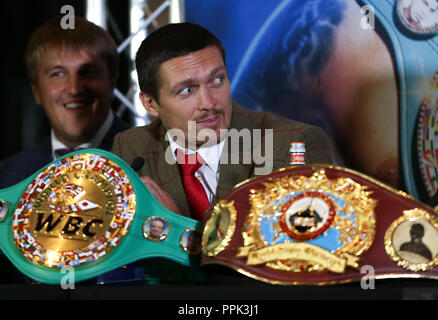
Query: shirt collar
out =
(94, 142)
(211, 154)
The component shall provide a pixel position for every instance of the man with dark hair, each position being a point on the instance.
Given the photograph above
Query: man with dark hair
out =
(168, 44)
(156, 229)
(72, 73)
(184, 83)
(194, 240)
(416, 244)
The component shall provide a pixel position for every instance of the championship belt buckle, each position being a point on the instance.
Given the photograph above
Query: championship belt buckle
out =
(320, 224)
(90, 211)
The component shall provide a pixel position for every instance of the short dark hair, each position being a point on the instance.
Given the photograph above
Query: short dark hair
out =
(171, 41)
(417, 231)
(85, 35)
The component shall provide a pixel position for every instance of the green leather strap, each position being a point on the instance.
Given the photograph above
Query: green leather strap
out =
(20, 227)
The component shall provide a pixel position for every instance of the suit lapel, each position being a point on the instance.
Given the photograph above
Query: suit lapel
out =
(117, 126)
(165, 174)
(37, 157)
(231, 173)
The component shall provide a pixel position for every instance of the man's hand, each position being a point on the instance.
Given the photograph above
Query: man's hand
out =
(162, 196)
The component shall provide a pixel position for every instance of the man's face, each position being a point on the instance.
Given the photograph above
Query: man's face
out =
(75, 89)
(424, 12)
(194, 87)
(193, 243)
(156, 228)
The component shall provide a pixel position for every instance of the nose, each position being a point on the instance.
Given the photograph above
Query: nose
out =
(208, 101)
(75, 84)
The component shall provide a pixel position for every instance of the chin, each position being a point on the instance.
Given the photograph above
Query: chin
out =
(78, 137)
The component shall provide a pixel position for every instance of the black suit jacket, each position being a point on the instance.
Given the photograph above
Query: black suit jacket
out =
(19, 166)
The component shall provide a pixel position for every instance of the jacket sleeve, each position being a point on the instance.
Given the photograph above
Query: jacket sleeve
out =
(318, 146)
(116, 149)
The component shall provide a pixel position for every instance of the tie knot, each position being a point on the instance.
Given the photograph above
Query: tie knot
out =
(189, 163)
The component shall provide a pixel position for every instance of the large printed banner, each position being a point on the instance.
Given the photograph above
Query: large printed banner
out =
(365, 71)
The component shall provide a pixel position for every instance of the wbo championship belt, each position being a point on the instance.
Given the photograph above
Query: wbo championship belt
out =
(90, 211)
(321, 224)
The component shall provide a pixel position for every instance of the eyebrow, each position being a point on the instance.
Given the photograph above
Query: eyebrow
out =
(59, 66)
(191, 81)
(51, 68)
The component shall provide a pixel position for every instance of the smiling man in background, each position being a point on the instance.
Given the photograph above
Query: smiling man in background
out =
(72, 73)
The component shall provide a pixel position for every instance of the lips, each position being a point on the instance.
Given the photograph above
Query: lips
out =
(210, 122)
(74, 105)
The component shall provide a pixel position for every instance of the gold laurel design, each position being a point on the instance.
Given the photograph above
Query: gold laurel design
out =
(357, 198)
(414, 214)
(221, 208)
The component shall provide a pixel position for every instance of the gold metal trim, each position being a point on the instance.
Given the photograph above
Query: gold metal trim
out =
(278, 282)
(262, 202)
(319, 166)
(410, 216)
(319, 283)
(224, 212)
(5, 208)
(74, 211)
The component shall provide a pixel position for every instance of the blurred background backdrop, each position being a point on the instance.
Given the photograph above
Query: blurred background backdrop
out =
(352, 67)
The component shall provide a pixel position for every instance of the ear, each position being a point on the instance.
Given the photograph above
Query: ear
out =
(36, 94)
(149, 104)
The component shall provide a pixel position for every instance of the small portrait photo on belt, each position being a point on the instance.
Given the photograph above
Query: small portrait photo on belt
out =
(156, 228)
(419, 16)
(191, 241)
(416, 241)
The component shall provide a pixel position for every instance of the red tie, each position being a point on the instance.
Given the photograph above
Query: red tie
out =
(195, 193)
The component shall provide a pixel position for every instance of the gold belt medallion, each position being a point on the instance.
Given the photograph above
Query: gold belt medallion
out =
(74, 212)
(412, 240)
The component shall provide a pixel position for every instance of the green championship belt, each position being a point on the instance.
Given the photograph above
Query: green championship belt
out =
(91, 212)
(412, 28)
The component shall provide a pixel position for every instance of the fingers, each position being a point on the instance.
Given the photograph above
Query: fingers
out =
(162, 196)
(151, 185)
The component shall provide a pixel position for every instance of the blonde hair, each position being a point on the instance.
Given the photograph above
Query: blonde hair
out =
(86, 35)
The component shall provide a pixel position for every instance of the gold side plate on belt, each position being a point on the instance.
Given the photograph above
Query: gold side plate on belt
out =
(412, 240)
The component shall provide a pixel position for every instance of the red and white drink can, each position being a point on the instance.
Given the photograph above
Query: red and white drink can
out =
(297, 152)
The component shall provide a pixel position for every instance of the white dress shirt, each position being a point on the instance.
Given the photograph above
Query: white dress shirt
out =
(208, 173)
(94, 142)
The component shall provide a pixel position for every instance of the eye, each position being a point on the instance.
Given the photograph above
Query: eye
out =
(55, 74)
(186, 91)
(218, 80)
(90, 72)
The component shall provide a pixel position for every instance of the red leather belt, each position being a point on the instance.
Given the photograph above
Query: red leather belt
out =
(321, 224)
